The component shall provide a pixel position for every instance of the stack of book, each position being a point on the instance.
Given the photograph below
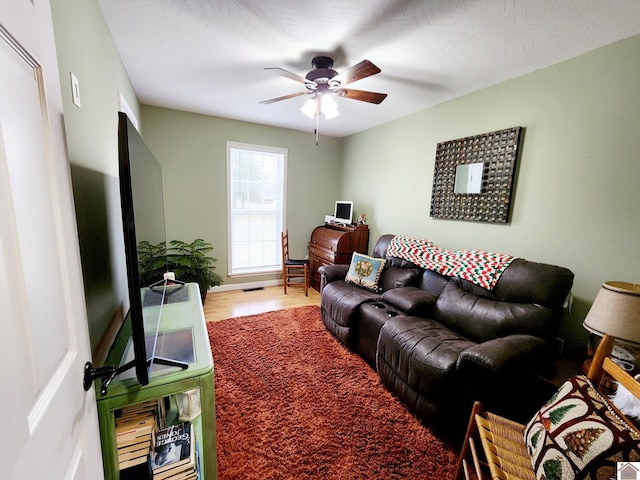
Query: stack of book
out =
(174, 454)
(136, 428)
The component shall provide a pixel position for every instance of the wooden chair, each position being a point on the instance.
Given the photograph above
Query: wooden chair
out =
(293, 270)
(502, 453)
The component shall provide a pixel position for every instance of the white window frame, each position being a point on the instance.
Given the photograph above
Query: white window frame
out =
(246, 266)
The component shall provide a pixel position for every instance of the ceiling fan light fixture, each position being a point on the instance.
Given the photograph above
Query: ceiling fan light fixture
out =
(331, 114)
(320, 105)
(310, 108)
(328, 107)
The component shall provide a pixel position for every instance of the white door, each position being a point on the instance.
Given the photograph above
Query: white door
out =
(48, 426)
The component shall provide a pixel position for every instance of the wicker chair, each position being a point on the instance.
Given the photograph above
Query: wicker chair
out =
(502, 453)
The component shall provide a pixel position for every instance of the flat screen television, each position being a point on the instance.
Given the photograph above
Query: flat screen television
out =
(343, 212)
(143, 219)
(131, 344)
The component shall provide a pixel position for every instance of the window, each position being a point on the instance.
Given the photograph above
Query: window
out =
(255, 186)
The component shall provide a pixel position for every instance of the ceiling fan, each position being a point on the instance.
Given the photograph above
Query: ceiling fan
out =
(323, 80)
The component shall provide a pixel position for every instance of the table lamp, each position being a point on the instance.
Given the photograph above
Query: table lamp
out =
(614, 315)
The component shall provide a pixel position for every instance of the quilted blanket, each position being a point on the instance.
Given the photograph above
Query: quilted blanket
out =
(482, 268)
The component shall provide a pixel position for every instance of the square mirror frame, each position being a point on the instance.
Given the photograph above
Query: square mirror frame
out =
(498, 151)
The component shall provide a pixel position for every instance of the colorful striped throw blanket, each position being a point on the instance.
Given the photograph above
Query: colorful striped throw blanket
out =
(476, 266)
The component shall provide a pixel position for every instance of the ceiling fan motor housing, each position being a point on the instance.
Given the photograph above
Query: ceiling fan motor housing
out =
(322, 70)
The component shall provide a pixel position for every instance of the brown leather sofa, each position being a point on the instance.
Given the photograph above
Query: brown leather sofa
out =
(440, 342)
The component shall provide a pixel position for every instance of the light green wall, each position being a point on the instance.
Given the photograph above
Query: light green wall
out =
(192, 151)
(84, 47)
(577, 194)
(576, 199)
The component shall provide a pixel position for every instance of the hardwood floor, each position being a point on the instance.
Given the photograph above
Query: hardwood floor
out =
(237, 303)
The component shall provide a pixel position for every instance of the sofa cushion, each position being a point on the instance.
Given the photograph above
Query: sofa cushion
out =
(411, 300)
(341, 300)
(417, 361)
(365, 271)
(394, 277)
(432, 282)
(529, 282)
(381, 246)
(577, 433)
(417, 356)
(482, 319)
(372, 316)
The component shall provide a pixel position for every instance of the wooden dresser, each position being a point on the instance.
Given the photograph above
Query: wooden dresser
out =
(334, 244)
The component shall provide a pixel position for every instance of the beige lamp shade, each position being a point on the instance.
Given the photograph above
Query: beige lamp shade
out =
(616, 312)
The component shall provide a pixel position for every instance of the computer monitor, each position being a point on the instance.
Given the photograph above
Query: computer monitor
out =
(343, 212)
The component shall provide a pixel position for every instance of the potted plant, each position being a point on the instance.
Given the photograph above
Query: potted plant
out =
(189, 262)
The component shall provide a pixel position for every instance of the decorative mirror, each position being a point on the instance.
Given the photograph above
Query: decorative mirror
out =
(468, 178)
(474, 177)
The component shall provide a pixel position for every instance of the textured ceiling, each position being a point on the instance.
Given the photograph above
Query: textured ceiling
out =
(208, 56)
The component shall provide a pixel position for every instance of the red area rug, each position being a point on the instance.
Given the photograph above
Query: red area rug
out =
(293, 403)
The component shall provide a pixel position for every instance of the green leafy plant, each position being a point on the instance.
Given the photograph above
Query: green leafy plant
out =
(189, 262)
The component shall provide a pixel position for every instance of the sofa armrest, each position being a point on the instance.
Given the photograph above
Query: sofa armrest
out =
(411, 300)
(332, 273)
(500, 374)
(505, 356)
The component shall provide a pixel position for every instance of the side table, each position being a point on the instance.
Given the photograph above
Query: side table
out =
(569, 363)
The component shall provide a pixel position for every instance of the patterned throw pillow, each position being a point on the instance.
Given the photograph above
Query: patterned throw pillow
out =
(365, 271)
(577, 435)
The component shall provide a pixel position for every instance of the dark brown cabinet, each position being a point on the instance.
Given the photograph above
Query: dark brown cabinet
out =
(334, 244)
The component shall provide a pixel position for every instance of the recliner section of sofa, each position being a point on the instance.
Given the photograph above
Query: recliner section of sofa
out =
(440, 342)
